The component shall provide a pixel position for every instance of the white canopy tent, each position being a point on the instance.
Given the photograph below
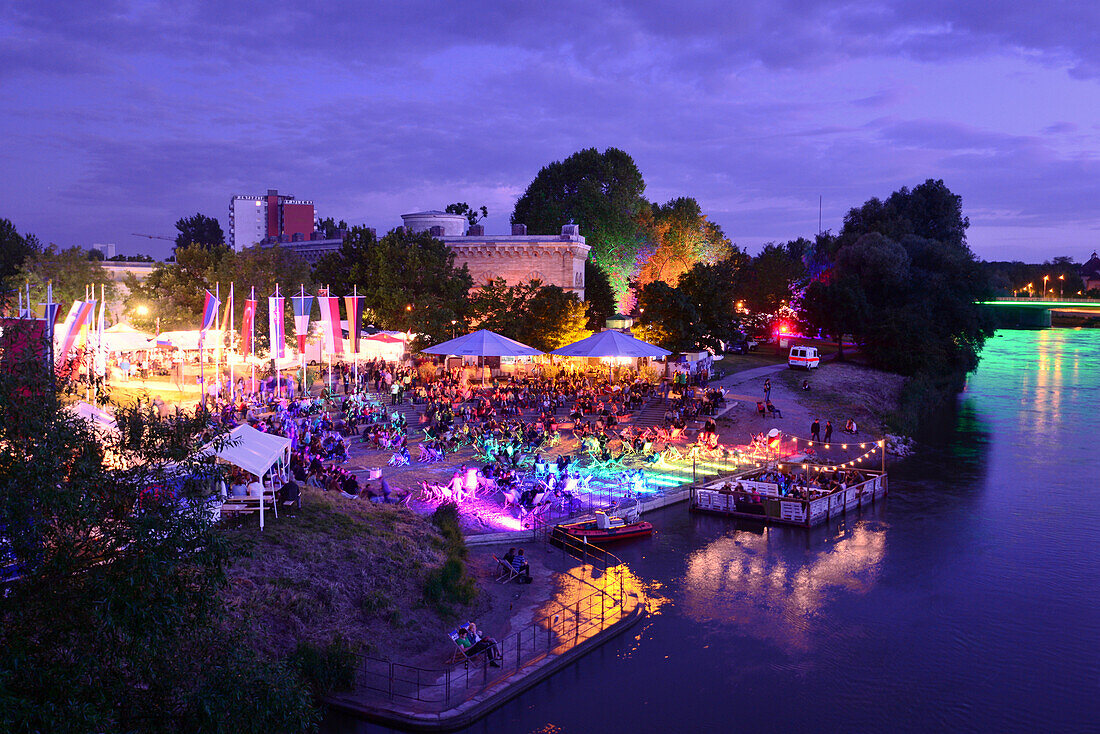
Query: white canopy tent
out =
(262, 454)
(125, 338)
(611, 343)
(100, 418)
(186, 340)
(483, 343)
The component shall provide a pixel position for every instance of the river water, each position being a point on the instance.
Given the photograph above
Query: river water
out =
(966, 601)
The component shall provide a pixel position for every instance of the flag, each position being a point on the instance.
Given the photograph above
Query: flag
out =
(209, 312)
(354, 305)
(330, 324)
(276, 327)
(247, 320)
(70, 328)
(303, 305)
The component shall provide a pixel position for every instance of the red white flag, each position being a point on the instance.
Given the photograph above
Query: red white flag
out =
(330, 324)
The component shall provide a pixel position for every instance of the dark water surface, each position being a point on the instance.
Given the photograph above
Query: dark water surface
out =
(968, 601)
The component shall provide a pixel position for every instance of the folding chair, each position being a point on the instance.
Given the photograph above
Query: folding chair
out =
(505, 574)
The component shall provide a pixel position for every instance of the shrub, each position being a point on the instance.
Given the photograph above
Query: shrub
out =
(327, 668)
(450, 583)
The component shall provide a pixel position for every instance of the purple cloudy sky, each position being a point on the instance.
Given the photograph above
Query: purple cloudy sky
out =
(121, 117)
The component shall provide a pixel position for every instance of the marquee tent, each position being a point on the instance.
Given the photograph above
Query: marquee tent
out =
(258, 453)
(483, 343)
(125, 338)
(186, 340)
(611, 343)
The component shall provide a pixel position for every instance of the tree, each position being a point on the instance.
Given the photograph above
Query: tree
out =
(473, 216)
(408, 279)
(14, 250)
(332, 228)
(70, 271)
(199, 229)
(771, 278)
(173, 294)
(542, 316)
(837, 306)
(603, 193)
(114, 621)
(598, 295)
(929, 210)
(680, 237)
(711, 291)
(668, 318)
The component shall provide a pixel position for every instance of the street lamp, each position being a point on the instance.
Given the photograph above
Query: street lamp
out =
(453, 322)
(1045, 279)
(1062, 285)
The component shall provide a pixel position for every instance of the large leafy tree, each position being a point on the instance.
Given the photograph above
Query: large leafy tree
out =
(199, 229)
(930, 210)
(408, 279)
(902, 281)
(543, 316)
(603, 193)
(70, 271)
(14, 250)
(473, 214)
(680, 236)
(598, 295)
(114, 620)
(772, 277)
(668, 318)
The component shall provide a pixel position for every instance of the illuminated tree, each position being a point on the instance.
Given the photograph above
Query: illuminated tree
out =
(603, 193)
(681, 237)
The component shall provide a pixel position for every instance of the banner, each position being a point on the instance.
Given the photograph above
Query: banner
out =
(209, 312)
(70, 328)
(276, 327)
(354, 306)
(330, 324)
(247, 319)
(303, 305)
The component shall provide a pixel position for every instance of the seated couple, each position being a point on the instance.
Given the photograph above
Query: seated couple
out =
(519, 564)
(472, 643)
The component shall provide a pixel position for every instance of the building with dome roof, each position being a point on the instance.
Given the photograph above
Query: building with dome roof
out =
(518, 257)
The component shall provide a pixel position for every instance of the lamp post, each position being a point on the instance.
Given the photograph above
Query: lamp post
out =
(1062, 285)
(1045, 279)
(453, 322)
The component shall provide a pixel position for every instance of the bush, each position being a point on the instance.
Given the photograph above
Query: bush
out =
(327, 668)
(923, 397)
(450, 583)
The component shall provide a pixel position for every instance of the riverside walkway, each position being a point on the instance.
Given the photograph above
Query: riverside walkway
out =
(599, 599)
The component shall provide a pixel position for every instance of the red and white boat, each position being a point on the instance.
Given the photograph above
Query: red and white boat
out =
(621, 523)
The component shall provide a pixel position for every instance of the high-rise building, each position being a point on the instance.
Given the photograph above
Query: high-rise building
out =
(255, 218)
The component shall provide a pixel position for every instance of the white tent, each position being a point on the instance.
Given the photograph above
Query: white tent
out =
(186, 340)
(254, 451)
(483, 343)
(611, 343)
(100, 418)
(258, 453)
(125, 338)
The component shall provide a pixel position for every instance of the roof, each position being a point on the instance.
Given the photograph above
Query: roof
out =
(254, 451)
(1091, 269)
(611, 343)
(483, 343)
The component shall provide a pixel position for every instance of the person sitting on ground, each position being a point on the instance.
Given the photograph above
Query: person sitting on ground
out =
(806, 385)
(350, 486)
(472, 648)
(850, 426)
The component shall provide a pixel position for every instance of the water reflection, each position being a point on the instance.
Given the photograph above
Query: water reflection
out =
(753, 583)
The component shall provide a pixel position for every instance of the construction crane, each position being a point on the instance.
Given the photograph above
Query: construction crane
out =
(153, 236)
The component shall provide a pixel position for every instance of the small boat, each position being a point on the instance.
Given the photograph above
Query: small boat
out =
(620, 523)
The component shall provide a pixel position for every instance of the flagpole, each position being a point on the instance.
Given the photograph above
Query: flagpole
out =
(252, 345)
(217, 328)
(232, 384)
(274, 367)
(353, 332)
(302, 352)
(328, 294)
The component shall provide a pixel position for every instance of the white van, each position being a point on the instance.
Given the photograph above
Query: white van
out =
(803, 357)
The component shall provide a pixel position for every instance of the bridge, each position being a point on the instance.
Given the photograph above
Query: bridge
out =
(1034, 313)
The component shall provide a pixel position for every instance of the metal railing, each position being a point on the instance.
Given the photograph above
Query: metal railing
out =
(439, 689)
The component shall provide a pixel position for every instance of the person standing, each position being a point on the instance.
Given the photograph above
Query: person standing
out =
(815, 430)
(828, 431)
(767, 389)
